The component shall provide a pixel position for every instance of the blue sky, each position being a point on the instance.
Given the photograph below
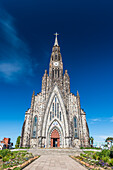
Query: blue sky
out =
(86, 41)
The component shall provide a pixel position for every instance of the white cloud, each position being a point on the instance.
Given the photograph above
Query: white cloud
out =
(15, 59)
(8, 70)
(96, 120)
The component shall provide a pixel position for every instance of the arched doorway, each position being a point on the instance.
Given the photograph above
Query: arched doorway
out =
(55, 139)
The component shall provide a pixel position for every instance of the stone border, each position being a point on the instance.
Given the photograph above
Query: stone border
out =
(86, 164)
(24, 164)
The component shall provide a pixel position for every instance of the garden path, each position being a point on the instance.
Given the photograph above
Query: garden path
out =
(55, 162)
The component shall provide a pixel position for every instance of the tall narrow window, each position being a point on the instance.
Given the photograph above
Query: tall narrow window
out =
(53, 111)
(60, 116)
(75, 127)
(53, 73)
(55, 106)
(55, 56)
(58, 72)
(34, 127)
(50, 116)
(57, 110)
(59, 57)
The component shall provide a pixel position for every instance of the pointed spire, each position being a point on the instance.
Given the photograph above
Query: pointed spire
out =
(56, 41)
(33, 93)
(78, 93)
(32, 99)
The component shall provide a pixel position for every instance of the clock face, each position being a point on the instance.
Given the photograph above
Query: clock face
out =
(56, 64)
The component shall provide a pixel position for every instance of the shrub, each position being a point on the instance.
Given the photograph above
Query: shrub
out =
(12, 157)
(94, 156)
(111, 152)
(110, 162)
(105, 152)
(97, 157)
(5, 158)
(81, 147)
(105, 159)
(4, 152)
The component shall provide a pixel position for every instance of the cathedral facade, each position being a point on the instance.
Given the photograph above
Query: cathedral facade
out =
(55, 118)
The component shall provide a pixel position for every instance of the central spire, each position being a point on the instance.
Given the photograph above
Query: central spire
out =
(56, 41)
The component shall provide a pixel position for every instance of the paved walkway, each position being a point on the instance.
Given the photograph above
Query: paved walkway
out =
(54, 162)
(55, 151)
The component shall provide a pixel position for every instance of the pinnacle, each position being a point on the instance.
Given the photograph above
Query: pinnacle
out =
(77, 93)
(33, 93)
(56, 40)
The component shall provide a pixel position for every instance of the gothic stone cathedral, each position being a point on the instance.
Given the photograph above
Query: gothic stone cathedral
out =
(55, 118)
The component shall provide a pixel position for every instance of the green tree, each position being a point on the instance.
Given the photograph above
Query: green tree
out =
(92, 139)
(89, 140)
(109, 139)
(18, 142)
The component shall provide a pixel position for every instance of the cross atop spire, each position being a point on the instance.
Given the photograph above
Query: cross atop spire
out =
(56, 41)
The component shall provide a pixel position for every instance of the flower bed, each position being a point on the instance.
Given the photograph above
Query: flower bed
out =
(95, 160)
(16, 160)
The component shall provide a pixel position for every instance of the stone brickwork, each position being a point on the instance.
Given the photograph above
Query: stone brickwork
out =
(55, 108)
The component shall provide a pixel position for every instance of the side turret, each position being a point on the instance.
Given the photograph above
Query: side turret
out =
(66, 83)
(45, 84)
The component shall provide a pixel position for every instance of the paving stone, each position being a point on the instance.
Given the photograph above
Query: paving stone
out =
(56, 162)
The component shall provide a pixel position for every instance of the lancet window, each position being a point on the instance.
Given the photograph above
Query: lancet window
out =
(55, 56)
(55, 106)
(59, 57)
(55, 109)
(53, 73)
(50, 116)
(60, 116)
(34, 127)
(58, 72)
(75, 127)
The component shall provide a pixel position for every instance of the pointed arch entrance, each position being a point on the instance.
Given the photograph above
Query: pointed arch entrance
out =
(55, 139)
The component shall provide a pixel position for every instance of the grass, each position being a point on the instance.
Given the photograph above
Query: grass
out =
(90, 148)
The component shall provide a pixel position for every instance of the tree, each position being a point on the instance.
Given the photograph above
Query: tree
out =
(89, 140)
(18, 142)
(109, 139)
(92, 139)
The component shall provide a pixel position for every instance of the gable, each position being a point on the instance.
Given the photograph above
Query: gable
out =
(55, 110)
